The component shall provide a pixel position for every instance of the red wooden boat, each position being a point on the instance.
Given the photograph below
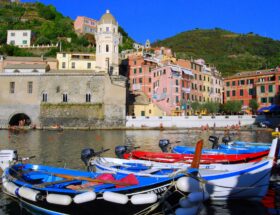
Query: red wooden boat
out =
(187, 158)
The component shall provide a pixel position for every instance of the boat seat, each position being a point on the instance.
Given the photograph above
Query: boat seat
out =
(149, 171)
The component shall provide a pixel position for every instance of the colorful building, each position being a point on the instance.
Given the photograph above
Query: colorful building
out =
(85, 25)
(76, 61)
(171, 88)
(260, 85)
(140, 74)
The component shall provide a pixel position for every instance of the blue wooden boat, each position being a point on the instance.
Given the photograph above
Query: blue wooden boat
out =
(52, 190)
(190, 150)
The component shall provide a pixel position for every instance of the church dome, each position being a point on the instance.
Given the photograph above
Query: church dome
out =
(108, 18)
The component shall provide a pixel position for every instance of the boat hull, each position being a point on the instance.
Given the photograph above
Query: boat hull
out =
(187, 158)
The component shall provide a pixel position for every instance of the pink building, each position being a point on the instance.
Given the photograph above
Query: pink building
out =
(171, 88)
(140, 74)
(85, 25)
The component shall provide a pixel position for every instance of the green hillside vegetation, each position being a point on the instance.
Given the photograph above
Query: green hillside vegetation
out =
(228, 51)
(48, 27)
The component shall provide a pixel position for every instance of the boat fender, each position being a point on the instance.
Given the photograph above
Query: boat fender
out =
(187, 184)
(28, 193)
(59, 199)
(140, 199)
(196, 197)
(4, 181)
(11, 188)
(188, 211)
(115, 197)
(185, 203)
(84, 197)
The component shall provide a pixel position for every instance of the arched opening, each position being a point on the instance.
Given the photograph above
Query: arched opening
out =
(20, 119)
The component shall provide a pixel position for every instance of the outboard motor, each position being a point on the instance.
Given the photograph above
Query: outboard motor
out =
(215, 142)
(163, 144)
(120, 151)
(7, 158)
(86, 155)
(226, 140)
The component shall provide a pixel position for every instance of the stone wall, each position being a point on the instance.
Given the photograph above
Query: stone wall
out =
(105, 110)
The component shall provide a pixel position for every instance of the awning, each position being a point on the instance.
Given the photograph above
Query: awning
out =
(271, 108)
(187, 72)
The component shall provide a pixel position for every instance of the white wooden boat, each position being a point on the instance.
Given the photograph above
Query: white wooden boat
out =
(231, 181)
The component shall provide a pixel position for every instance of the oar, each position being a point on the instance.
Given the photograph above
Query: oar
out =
(120, 183)
(197, 155)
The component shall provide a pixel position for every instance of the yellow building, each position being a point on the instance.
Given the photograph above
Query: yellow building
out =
(76, 61)
(142, 107)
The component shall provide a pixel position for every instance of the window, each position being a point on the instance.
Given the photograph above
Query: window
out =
(12, 42)
(12, 34)
(228, 93)
(107, 48)
(73, 65)
(164, 71)
(63, 65)
(30, 87)
(271, 99)
(140, 80)
(149, 89)
(142, 113)
(177, 89)
(135, 71)
(12, 87)
(107, 29)
(64, 97)
(251, 92)
(88, 65)
(150, 69)
(134, 80)
(241, 93)
(135, 62)
(45, 97)
(24, 34)
(35, 71)
(140, 70)
(270, 88)
(150, 80)
(63, 54)
(263, 100)
(24, 42)
(177, 82)
(16, 71)
(233, 83)
(88, 97)
(233, 93)
(262, 89)
(227, 84)
(250, 81)
(177, 99)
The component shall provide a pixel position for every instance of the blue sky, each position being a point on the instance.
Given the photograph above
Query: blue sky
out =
(159, 19)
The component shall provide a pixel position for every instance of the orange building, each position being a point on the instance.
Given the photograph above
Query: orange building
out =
(260, 85)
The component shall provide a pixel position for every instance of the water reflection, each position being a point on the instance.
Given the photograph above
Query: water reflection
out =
(63, 149)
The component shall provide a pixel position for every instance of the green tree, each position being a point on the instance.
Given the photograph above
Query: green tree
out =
(212, 107)
(253, 104)
(196, 106)
(233, 107)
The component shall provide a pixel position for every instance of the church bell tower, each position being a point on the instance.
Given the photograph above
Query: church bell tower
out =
(107, 45)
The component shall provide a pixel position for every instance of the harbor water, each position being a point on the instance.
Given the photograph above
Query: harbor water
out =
(63, 148)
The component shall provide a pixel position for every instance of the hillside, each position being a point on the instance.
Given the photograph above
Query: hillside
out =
(48, 27)
(229, 52)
